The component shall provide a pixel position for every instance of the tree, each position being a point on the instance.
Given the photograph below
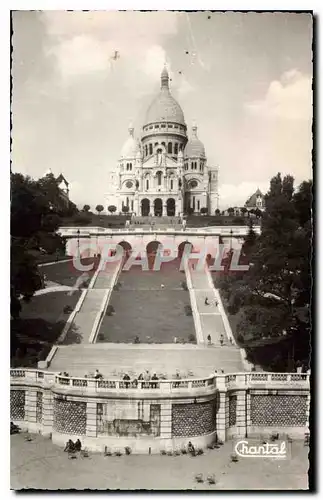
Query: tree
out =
(217, 212)
(274, 296)
(34, 222)
(112, 209)
(258, 213)
(231, 211)
(204, 210)
(125, 209)
(243, 210)
(86, 208)
(99, 208)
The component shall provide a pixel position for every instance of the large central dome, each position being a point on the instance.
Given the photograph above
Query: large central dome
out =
(164, 107)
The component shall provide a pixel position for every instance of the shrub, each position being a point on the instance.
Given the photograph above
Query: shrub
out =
(118, 453)
(110, 310)
(184, 451)
(127, 450)
(188, 310)
(184, 285)
(191, 337)
(240, 339)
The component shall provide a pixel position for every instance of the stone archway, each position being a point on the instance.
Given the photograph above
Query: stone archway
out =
(127, 248)
(152, 247)
(158, 207)
(171, 207)
(145, 207)
(151, 250)
(181, 247)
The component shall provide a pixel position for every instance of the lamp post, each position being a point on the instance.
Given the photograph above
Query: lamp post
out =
(78, 242)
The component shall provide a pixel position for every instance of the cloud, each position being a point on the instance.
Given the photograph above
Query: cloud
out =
(81, 54)
(287, 99)
(184, 88)
(84, 42)
(154, 61)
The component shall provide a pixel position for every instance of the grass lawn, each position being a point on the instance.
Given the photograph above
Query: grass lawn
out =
(151, 306)
(40, 324)
(65, 273)
(155, 316)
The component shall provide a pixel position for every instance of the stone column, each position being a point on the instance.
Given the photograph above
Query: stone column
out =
(30, 406)
(308, 403)
(91, 419)
(164, 209)
(48, 412)
(241, 417)
(48, 404)
(248, 412)
(221, 416)
(166, 420)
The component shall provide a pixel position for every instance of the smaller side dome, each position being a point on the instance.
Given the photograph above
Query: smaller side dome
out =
(131, 146)
(194, 148)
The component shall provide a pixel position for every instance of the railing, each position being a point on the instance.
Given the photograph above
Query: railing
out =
(217, 381)
(223, 230)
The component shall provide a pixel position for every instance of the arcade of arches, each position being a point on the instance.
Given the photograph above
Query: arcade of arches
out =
(158, 207)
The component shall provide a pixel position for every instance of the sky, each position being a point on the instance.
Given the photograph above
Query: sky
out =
(245, 79)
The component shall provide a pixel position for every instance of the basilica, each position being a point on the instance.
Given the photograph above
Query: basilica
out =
(166, 172)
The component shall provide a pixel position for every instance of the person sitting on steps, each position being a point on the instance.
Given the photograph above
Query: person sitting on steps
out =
(209, 339)
(206, 302)
(78, 445)
(191, 449)
(221, 339)
(70, 446)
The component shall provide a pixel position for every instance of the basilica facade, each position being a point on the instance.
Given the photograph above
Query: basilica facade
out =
(165, 173)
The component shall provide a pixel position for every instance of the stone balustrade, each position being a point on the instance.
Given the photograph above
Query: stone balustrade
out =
(218, 230)
(154, 415)
(236, 380)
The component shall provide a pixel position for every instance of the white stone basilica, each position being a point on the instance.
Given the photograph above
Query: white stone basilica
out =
(164, 173)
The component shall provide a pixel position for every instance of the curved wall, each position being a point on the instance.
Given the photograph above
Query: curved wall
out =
(150, 417)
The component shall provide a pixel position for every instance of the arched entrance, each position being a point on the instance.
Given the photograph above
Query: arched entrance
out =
(152, 249)
(181, 247)
(145, 207)
(170, 206)
(158, 207)
(126, 248)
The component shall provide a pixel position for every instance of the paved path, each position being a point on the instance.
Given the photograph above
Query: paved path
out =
(40, 464)
(114, 359)
(211, 315)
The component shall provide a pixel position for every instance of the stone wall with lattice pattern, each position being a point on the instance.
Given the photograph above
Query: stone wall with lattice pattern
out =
(278, 410)
(193, 419)
(39, 407)
(17, 404)
(232, 410)
(69, 417)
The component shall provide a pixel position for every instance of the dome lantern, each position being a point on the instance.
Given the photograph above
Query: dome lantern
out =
(194, 148)
(164, 78)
